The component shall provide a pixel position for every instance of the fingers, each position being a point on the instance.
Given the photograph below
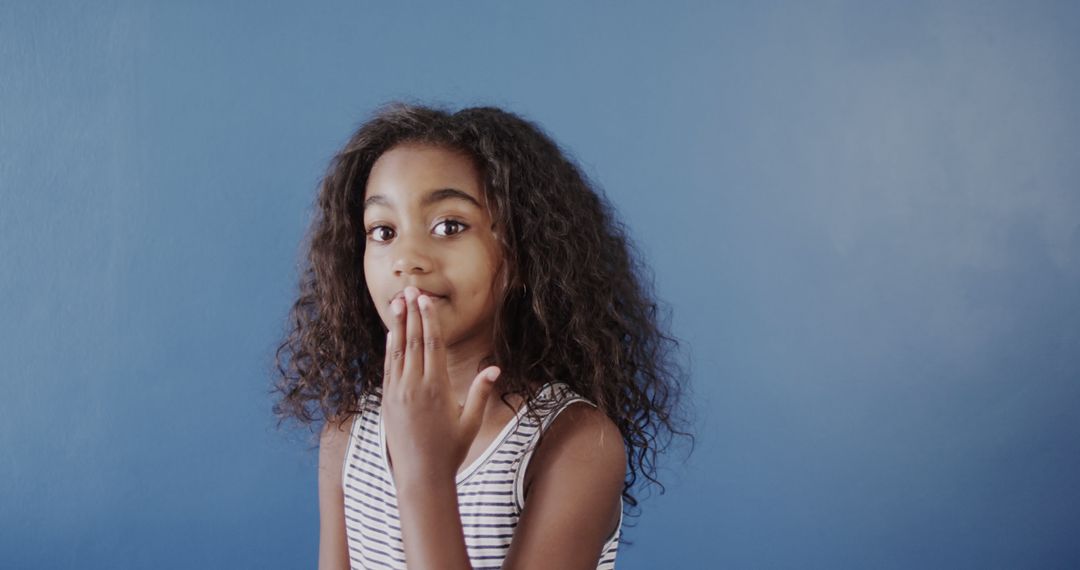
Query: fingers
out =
(386, 363)
(414, 337)
(434, 348)
(472, 414)
(396, 348)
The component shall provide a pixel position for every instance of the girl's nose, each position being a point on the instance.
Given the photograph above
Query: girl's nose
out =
(409, 257)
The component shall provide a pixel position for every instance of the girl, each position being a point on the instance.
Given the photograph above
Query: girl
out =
(457, 257)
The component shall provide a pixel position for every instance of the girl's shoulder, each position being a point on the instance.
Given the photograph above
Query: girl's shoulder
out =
(561, 407)
(572, 424)
(555, 399)
(333, 443)
(556, 394)
(576, 473)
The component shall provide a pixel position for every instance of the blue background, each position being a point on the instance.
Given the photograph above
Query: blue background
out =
(865, 217)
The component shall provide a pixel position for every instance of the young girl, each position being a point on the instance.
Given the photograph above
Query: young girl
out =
(475, 334)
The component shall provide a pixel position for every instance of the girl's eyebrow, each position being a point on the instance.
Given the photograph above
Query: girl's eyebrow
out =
(432, 197)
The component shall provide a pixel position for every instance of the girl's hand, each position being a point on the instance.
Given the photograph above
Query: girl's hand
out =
(428, 433)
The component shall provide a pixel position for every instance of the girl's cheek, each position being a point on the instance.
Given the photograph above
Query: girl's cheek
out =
(386, 317)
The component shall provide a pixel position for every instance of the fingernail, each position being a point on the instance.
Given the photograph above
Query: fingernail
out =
(411, 293)
(424, 301)
(395, 307)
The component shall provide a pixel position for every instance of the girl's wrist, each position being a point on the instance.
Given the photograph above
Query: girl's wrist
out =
(424, 488)
(421, 476)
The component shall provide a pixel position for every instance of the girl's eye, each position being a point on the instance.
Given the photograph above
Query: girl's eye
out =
(452, 227)
(444, 228)
(380, 233)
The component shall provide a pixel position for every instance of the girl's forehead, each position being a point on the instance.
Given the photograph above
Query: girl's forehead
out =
(423, 175)
(409, 172)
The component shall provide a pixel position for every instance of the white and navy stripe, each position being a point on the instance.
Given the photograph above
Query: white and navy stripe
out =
(489, 490)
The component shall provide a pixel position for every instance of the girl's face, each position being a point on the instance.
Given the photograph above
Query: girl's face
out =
(426, 226)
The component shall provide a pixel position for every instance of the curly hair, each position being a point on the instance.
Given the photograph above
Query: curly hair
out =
(577, 307)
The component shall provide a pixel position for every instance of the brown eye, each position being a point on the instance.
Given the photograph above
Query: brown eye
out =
(452, 227)
(380, 233)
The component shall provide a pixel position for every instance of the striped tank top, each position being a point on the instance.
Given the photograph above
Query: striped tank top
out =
(489, 490)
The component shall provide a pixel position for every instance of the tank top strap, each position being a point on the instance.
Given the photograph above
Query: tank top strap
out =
(549, 402)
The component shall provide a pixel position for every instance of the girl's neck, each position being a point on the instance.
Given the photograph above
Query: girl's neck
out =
(463, 363)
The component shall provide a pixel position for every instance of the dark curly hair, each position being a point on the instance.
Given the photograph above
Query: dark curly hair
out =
(587, 316)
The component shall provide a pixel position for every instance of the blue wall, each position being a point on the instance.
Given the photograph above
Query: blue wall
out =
(865, 217)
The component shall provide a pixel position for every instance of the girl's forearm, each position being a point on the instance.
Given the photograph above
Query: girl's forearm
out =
(431, 524)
